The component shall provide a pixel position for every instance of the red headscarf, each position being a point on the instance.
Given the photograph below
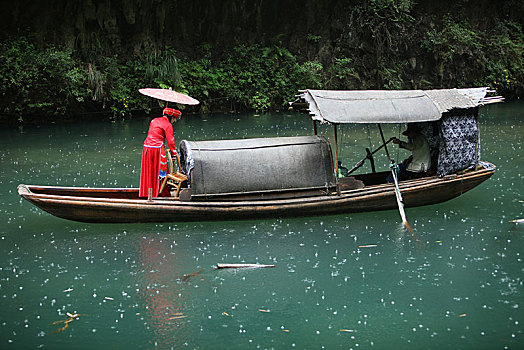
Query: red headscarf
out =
(172, 112)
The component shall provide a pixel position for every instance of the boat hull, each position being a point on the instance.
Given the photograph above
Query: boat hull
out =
(118, 205)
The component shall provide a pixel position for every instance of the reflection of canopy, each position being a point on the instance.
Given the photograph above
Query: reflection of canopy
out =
(388, 106)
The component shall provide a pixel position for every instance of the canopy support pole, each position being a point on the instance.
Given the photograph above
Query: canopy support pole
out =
(371, 160)
(384, 143)
(336, 148)
(477, 144)
(315, 132)
(394, 167)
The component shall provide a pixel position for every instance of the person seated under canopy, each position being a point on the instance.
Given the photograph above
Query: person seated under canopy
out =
(420, 160)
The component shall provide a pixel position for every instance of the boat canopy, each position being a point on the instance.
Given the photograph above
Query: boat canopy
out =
(388, 106)
(225, 167)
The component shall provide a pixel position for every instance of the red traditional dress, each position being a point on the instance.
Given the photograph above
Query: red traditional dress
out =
(153, 154)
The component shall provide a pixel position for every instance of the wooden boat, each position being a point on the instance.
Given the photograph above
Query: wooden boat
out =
(298, 176)
(119, 205)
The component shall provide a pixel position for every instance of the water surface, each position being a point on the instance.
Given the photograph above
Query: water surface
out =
(345, 281)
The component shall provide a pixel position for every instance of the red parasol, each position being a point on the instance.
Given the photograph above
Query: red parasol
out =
(169, 96)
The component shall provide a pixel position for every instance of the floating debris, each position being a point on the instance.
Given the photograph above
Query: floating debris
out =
(109, 298)
(177, 317)
(367, 246)
(225, 313)
(463, 315)
(346, 330)
(71, 317)
(263, 310)
(517, 221)
(68, 290)
(240, 266)
(190, 275)
(286, 330)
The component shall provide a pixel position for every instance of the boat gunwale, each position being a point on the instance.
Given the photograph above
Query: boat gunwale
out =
(168, 203)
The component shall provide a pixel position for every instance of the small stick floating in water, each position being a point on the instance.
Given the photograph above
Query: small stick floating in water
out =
(239, 266)
(517, 221)
(193, 274)
(367, 246)
(177, 317)
(71, 317)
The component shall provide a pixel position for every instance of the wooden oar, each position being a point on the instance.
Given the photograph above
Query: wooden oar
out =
(400, 202)
(398, 195)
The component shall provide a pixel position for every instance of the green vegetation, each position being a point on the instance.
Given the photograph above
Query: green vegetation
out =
(33, 81)
(382, 44)
(505, 62)
(55, 83)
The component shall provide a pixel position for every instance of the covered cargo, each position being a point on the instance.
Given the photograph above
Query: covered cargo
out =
(260, 165)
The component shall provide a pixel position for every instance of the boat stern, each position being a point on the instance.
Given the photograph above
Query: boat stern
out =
(23, 190)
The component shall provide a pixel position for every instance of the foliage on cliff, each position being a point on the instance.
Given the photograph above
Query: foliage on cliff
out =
(251, 55)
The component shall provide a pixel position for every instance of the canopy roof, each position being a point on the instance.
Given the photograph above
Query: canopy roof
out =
(388, 106)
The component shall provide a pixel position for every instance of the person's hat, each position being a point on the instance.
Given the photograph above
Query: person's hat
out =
(172, 112)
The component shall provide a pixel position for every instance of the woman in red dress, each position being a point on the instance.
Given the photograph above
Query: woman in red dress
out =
(159, 128)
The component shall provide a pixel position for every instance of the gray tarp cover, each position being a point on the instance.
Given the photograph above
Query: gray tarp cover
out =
(388, 106)
(257, 165)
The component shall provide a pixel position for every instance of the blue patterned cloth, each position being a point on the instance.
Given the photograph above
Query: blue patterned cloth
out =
(459, 139)
(454, 139)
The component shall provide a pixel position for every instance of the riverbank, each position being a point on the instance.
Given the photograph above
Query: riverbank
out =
(230, 58)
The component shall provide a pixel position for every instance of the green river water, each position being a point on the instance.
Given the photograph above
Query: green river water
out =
(462, 288)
